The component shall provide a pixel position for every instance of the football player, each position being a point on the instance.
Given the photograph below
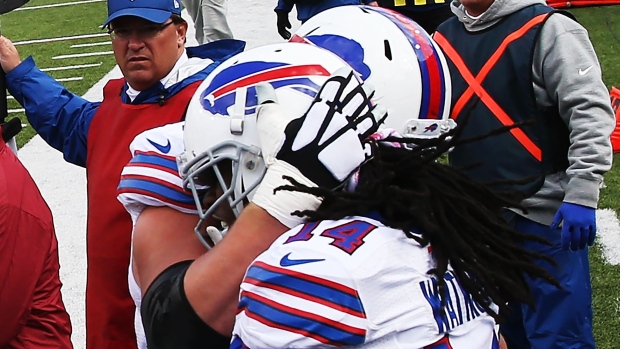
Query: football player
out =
(387, 247)
(152, 190)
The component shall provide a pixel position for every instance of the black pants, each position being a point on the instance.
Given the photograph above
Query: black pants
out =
(430, 19)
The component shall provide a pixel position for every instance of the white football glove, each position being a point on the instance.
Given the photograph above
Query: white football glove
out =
(321, 148)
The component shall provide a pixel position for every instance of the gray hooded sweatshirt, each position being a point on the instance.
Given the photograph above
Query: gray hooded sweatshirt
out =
(566, 74)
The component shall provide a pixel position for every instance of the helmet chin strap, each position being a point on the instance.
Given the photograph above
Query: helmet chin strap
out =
(238, 112)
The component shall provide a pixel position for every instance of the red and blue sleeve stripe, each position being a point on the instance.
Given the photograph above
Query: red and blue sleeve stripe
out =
(280, 316)
(156, 188)
(154, 160)
(311, 288)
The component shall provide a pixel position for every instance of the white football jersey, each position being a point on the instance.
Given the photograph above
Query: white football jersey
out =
(151, 178)
(354, 283)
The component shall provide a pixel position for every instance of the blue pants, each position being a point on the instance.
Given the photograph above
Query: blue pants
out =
(563, 318)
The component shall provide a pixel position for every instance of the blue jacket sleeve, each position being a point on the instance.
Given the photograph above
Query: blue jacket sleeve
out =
(60, 117)
(285, 5)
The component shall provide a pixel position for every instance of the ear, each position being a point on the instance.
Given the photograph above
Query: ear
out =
(181, 34)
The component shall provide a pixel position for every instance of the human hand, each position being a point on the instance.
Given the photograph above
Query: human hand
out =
(309, 149)
(283, 23)
(374, 3)
(578, 227)
(9, 56)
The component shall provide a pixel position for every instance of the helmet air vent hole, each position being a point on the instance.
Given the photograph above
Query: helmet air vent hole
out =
(388, 50)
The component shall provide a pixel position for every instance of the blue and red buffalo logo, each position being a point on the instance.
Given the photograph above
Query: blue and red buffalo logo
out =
(220, 95)
(349, 50)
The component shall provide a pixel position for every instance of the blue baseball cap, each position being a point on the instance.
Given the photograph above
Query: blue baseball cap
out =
(156, 11)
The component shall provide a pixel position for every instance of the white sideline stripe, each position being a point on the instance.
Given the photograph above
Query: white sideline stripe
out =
(57, 5)
(60, 38)
(608, 235)
(77, 78)
(92, 44)
(68, 67)
(12, 111)
(102, 53)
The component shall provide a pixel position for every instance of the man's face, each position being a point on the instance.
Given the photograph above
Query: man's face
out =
(476, 7)
(146, 51)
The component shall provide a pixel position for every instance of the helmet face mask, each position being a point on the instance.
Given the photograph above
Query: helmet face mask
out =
(220, 126)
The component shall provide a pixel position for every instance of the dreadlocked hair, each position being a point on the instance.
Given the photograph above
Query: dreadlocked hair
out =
(460, 218)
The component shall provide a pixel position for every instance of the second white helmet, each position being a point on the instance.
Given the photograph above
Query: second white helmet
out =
(396, 56)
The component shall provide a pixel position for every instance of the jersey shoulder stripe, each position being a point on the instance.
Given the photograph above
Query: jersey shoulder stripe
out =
(151, 159)
(280, 316)
(158, 189)
(306, 286)
(151, 178)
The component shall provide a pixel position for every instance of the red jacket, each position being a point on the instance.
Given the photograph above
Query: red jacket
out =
(32, 313)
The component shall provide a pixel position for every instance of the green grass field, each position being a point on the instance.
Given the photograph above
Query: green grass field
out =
(603, 24)
(54, 22)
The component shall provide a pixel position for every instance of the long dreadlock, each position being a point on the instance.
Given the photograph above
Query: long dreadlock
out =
(461, 218)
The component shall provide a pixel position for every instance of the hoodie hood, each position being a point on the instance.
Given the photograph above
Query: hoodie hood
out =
(498, 10)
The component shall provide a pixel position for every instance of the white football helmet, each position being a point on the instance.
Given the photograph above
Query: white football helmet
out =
(220, 123)
(397, 57)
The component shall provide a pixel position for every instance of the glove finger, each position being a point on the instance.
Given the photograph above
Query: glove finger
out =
(284, 34)
(320, 114)
(334, 87)
(584, 237)
(575, 237)
(565, 238)
(591, 238)
(358, 97)
(369, 124)
(591, 235)
(265, 93)
(348, 103)
(271, 122)
(354, 103)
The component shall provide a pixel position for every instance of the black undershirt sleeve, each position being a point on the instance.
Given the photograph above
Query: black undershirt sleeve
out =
(169, 320)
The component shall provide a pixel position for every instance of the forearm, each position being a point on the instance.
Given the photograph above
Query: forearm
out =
(213, 280)
(59, 116)
(162, 237)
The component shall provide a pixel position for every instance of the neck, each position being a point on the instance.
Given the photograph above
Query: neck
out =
(477, 8)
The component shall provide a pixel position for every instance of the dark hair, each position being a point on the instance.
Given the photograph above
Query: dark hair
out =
(461, 218)
(177, 19)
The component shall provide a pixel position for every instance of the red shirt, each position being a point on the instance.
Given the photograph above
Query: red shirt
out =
(32, 313)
